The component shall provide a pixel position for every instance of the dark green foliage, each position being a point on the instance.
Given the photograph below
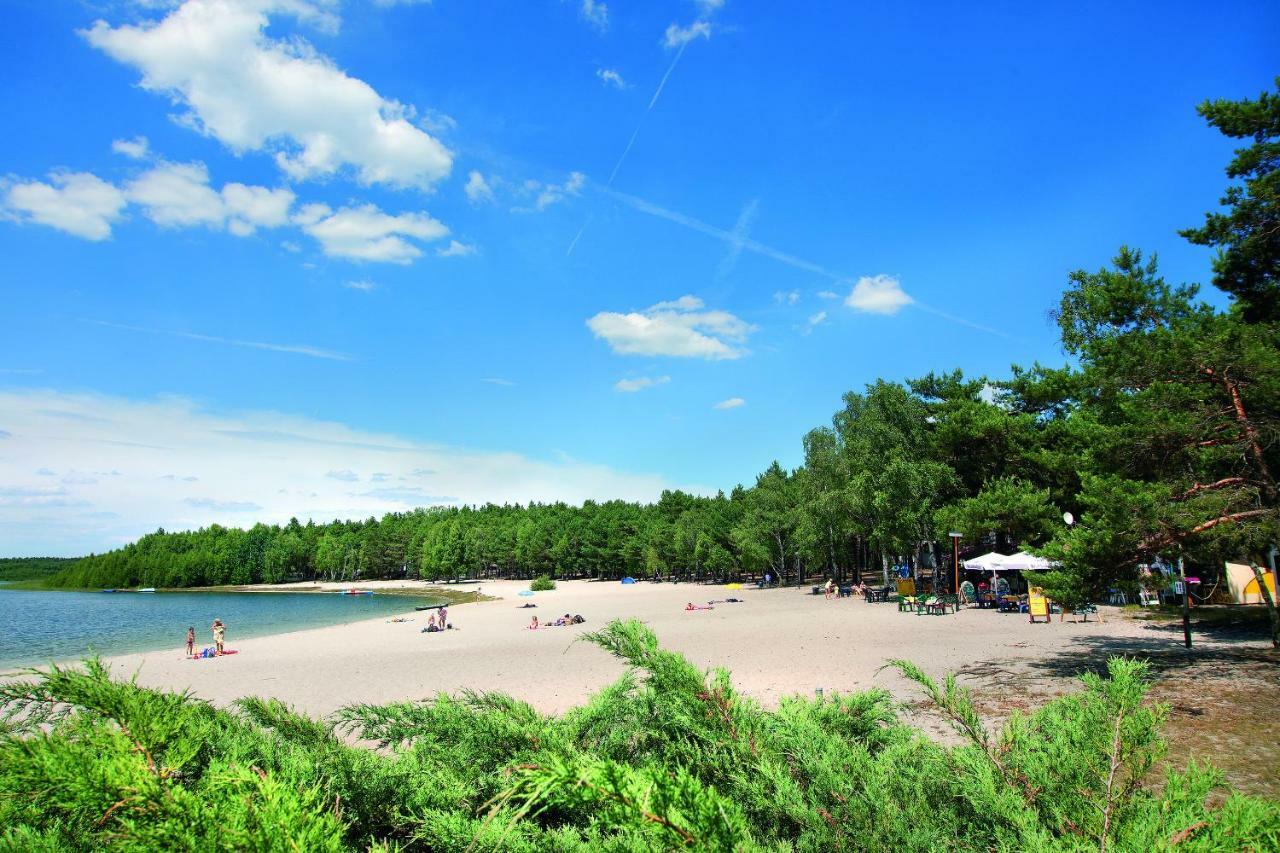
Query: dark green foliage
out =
(668, 757)
(31, 568)
(1248, 234)
(542, 583)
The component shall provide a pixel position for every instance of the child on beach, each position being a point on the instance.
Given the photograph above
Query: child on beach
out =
(219, 636)
(533, 626)
(191, 641)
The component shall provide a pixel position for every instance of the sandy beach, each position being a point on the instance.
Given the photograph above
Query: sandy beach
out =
(776, 642)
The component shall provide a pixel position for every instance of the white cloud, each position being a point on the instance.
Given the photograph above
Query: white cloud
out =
(708, 7)
(611, 78)
(595, 13)
(549, 194)
(346, 475)
(678, 36)
(495, 380)
(478, 188)
(240, 459)
(75, 202)
(178, 195)
(255, 207)
(814, 321)
(827, 294)
(365, 233)
(253, 93)
(680, 329)
(363, 285)
(879, 294)
(639, 384)
(789, 297)
(135, 149)
(731, 403)
(456, 250)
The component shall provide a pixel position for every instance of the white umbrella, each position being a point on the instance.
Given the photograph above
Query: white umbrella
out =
(989, 562)
(986, 563)
(1024, 562)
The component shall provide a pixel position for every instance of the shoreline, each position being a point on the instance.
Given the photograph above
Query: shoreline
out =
(413, 594)
(775, 643)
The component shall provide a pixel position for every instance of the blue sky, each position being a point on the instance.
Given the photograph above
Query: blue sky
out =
(274, 257)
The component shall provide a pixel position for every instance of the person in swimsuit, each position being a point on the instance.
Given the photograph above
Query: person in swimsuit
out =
(533, 626)
(191, 641)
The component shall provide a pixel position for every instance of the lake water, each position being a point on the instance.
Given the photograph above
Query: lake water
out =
(37, 627)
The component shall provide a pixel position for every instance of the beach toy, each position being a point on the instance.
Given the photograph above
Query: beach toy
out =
(525, 592)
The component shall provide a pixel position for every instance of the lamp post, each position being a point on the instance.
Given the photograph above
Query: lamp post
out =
(955, 559)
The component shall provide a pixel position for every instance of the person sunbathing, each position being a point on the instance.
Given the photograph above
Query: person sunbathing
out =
(533, 626)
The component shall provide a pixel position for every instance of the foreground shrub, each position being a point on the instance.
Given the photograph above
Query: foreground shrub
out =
(542, 583)
(667, 757)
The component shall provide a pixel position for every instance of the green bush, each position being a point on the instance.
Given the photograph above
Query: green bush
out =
(667, 757)
(542, 583)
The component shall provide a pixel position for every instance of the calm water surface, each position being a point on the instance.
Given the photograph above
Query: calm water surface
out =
(39, 627)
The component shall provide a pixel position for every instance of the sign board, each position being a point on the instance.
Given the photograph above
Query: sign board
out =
(1177, 587)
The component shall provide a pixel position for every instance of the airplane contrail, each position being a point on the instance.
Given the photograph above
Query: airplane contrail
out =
(739, 242)
(632, 141)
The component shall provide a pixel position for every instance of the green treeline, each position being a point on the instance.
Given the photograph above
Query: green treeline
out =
(31, 568)
(1159, 436)
(665, 758)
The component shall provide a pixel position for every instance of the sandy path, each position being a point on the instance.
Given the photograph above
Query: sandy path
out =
(778, 642)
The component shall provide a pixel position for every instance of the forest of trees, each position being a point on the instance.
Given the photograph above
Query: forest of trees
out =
(1158, 434)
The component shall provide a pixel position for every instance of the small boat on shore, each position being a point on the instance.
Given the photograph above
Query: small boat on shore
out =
(356, 592)
(147, 589)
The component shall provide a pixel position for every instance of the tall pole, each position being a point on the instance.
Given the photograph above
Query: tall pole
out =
(1186, 603)
(955, 560)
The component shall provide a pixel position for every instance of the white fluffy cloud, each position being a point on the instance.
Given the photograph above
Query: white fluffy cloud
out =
(254, 93)
(678, 36)
(365, 233)
(611, 78)
(278, 463)
(878, 294)
(135, 149)
(731, 403)
(640, 383)
(478, 188)
(76, 202)
(681, 329)
(178, 195)
(456, 250)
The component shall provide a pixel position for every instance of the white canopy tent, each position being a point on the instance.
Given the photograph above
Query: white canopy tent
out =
(1024, 562)
(990, 562)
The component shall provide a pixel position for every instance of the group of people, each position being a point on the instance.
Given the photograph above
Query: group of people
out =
(558, 623)
(438, 621)
(832, 589)
(219, 639)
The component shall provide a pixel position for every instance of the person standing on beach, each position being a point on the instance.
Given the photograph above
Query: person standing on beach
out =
(444, 614)
(191, 641)
(219, 636)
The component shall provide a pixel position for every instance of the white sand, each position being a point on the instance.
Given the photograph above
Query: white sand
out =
(777, 642)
